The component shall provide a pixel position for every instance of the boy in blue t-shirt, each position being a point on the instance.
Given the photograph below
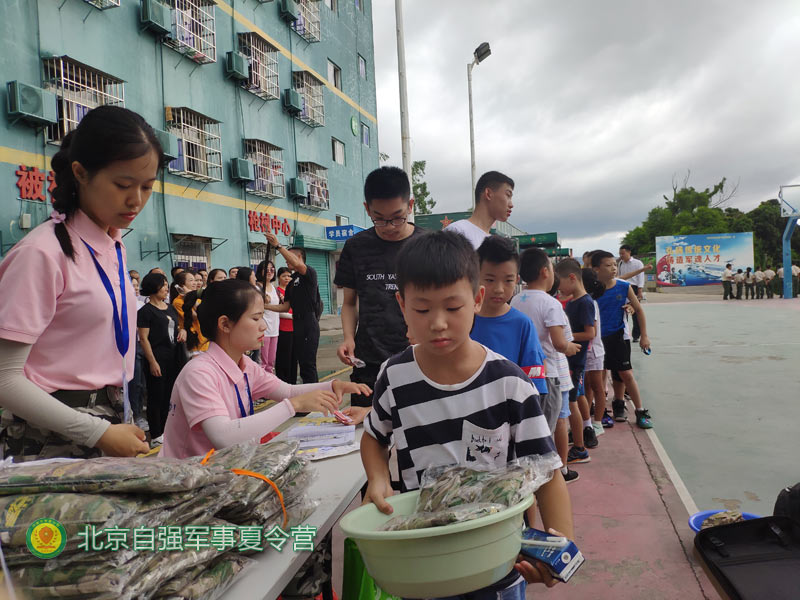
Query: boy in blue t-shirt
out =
(573, 282)
(618, 350)
(499, 327)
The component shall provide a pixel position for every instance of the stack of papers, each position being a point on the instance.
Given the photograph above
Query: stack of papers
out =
(322, 434)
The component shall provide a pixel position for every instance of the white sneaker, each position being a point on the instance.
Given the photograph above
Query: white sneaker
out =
(598, 428)
(157, 441)
(142, 424)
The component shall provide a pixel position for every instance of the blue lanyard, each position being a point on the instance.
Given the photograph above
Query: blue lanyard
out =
(249, 395)
(121, 333)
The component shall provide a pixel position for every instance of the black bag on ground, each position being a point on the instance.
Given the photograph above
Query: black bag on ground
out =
(757, 559)
(788, 503)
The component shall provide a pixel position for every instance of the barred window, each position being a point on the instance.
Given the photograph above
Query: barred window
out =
(199, 153)
(311, 89)
(263, 58)
(190, 251)
(79, 89)
(193, 29)
(268, 161)
(307, 26)
(103, 4)
(258, 252)
(316, 178)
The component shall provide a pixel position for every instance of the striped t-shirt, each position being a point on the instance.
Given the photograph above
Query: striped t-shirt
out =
(491, 418)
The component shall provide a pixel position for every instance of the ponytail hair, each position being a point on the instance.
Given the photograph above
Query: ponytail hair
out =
(105, 135)
(591, 284)
(189, 302)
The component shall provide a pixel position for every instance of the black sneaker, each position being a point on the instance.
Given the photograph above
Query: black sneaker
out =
(589, 437)
(571, 476)
(618, 406)
(576, 455)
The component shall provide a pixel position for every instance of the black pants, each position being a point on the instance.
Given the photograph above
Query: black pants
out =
(759, 289)
(749, 291)
(739, 287)
(159, 390)
(768, 286)
(306, 343)
(635, 333)
(286, 358)
(726, 290)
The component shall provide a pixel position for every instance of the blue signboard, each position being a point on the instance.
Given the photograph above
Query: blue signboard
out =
(683, 260)
(341, 233)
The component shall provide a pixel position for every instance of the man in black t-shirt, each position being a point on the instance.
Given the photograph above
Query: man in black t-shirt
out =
(373, 326)
(302, 296)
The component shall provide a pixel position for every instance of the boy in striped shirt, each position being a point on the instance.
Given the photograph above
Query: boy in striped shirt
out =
(450, 400)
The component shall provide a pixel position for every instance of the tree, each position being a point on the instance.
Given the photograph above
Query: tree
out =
(423, 202)
(692, 212)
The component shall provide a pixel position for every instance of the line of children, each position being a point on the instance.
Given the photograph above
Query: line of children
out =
(434, 399)
(580, 310)
(551, 323)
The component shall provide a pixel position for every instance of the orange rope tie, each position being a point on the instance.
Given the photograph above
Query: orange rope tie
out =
(207, 456)
(274, 487)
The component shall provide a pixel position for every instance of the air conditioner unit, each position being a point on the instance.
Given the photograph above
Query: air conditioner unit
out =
(31, 103)
(236, 66)
(292, 101)
(289, 10)
(169, 144)
(155, 17)
(242, 170)
(297, 189)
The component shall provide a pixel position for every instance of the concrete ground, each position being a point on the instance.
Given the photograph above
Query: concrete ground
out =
(722, 385)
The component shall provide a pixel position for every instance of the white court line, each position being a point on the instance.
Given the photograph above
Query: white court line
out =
(680, 487)
(748, 345)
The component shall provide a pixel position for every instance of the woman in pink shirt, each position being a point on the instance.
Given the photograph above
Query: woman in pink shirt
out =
(68, 315)
(212, 401)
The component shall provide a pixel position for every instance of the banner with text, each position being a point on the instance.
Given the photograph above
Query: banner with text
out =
(683, 260)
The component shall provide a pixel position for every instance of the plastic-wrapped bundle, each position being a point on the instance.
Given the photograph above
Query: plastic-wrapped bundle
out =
(109, 475)
(270, 460)
(293, 484)
(458, 514)
(448, 486)
(206, 582)
(138, 578)
(194, 508)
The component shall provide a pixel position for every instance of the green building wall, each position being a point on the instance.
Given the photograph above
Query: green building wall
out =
(156, 76)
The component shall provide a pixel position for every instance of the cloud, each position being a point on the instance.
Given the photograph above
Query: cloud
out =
(594, 107)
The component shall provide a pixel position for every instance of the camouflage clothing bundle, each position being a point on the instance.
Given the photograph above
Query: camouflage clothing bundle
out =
(146, 492)
(111, 475)
(453, 494)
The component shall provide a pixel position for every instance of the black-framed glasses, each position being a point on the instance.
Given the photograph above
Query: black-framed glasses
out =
(386, 222)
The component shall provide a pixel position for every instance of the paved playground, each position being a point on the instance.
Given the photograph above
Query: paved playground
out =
(723, 385)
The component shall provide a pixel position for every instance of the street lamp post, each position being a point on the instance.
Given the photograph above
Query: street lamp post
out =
(480, 54)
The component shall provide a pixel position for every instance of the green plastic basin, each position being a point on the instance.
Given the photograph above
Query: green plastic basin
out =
(435, 561)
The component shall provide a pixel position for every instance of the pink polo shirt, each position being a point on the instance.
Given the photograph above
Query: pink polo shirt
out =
(206, 387)
(62, 309)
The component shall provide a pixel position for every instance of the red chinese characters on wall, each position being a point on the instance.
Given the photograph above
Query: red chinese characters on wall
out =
(31, 183)
(258, 221)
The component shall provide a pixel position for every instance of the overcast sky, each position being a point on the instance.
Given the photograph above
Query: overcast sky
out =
(592, 107)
